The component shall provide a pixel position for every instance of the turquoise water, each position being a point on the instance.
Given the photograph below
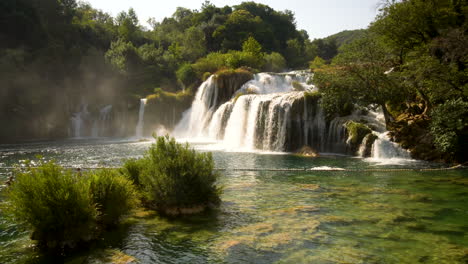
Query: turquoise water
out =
(276, 217)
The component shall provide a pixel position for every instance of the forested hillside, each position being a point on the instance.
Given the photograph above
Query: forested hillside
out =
(56, 54)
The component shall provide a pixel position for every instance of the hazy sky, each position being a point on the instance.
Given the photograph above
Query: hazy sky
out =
(320, 18)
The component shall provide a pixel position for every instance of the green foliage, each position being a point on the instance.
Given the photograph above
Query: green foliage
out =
(63, 208)
(69, 50)
(122, 55)
(131, 169)
(449, 127)
(114, 195)
(356, 132)
(317, 63)
(252, 46)
(312, 95)
(175, 176)
(237, 59)
(186, 75)
(211, 63)
(215, 62)
(274, 62)
(55, 204)
(358, 76)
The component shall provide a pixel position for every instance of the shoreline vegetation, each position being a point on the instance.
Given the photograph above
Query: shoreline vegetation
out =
(65, 210)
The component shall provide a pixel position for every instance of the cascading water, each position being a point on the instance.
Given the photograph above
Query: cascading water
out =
(259, 117)
(195, 119)
(78, 121)
(383, 148)
(101, 125)
(273, 112)
(141, 115)
(86, 125)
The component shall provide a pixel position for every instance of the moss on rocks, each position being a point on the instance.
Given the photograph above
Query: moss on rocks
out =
(165, 109)
(356, 133)
(229, 81)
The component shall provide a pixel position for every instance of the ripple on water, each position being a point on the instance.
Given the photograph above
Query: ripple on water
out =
(279, 217)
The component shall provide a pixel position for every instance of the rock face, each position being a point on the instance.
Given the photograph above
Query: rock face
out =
(412, 132)
(307, 151)
(165, 109)
(228, 82)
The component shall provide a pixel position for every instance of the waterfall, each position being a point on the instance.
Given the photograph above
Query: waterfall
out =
(141, 115)
(78, 120)
(85, 124)
(272, 112)
(103, 123)
(195, 119)
(76, 124)
(257, 117)
(383, 148)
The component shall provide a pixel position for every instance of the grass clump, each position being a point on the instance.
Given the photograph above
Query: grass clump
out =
(175, 179)
(63, 208)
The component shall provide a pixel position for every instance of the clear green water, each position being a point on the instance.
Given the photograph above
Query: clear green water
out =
(277, 217)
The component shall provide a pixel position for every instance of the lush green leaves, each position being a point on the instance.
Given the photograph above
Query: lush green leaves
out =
(173, 176)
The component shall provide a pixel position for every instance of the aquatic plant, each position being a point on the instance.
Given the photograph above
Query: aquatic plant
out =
(176, 179)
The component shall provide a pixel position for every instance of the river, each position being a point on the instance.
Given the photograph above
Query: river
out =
(323, 215)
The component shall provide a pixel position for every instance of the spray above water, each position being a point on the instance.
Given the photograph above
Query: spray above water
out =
(86, 125)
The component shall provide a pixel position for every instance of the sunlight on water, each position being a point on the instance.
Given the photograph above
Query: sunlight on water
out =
(313, 216)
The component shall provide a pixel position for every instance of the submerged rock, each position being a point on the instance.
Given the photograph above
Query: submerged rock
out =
(307, 151)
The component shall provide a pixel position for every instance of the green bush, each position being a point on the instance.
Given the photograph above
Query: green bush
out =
(175, 177)
(55, 204)
(114, 195)
(449, 126)
(131, 169)
(274, 62)
(186, 75)
(211, 63)
(63, 208)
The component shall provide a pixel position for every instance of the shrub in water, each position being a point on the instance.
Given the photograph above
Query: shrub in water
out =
(178, 180)
(55, 204)
(63, 208)
(113, 194)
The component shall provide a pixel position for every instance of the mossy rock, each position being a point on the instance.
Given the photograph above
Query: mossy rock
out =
(298, 86)
(356, 133)
(369, 140)
(229, 81)
(312, 96)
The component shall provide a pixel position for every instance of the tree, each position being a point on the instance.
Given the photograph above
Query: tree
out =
(360, 75)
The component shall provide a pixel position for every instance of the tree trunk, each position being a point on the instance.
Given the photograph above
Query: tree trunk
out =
(388, 117)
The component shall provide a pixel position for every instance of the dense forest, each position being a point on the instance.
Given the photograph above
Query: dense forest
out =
(411, 61)
(56, 54)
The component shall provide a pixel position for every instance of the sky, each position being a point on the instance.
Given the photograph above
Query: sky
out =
(320, 18)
